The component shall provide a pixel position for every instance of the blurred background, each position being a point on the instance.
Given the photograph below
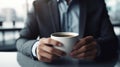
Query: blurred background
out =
(13, 15)
(12, 18)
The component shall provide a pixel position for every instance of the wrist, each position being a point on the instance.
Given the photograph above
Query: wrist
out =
(34, 48)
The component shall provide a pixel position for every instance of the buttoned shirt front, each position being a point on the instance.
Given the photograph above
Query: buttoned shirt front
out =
(69, 15)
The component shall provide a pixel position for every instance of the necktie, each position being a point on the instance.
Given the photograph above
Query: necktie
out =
(65, 22)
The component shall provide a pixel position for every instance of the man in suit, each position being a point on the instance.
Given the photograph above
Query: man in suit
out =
(89, 18)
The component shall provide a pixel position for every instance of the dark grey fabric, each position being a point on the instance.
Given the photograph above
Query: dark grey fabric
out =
(44, 19)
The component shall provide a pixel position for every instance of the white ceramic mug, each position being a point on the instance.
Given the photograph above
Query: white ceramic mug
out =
(68, 39)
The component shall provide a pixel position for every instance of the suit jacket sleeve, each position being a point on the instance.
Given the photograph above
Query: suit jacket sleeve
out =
(106, 37)
(28, 35)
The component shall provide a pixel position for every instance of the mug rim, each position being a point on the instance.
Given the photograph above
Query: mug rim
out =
(65, 33)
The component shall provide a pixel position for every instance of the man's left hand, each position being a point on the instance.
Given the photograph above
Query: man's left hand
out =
(85, 48)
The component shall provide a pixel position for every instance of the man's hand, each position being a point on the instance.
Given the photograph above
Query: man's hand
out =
(46, 52)
(86, 48)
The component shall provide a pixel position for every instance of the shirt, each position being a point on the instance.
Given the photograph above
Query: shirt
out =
(69, 17)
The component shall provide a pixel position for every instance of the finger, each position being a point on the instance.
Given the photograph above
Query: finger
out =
(41, 58)
(92, 52)
(91, 55)
(50, 41)
(80, 43)
(52, 50)
(80, 56)
(84, 41)
(46, 55)
(58, 52)
(88, 39)
(44, 59)
(83, 49)
(86, 54)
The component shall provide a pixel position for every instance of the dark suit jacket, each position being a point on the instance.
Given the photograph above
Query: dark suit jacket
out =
(44, 19)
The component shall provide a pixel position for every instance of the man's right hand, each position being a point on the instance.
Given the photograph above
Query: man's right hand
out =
(46, 51)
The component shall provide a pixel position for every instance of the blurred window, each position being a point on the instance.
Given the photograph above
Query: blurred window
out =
(113, 7)
(12, 16)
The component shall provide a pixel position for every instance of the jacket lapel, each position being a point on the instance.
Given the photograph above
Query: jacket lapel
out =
(54, 16)
(54, 13)
(82, 18)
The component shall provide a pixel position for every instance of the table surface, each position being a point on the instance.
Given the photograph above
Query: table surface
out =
(14, 59)
(8, 59)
